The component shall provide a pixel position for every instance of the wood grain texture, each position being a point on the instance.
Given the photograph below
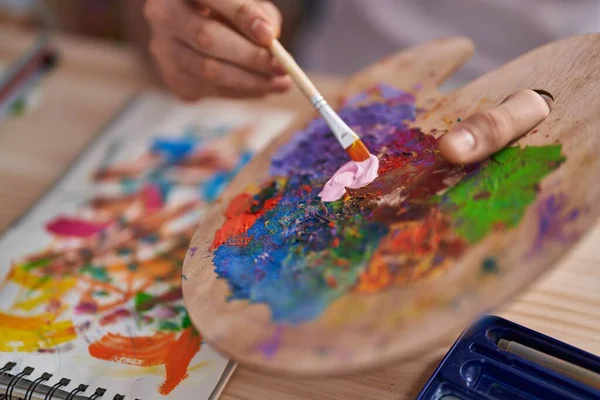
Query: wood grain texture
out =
(412, 319)
(92, 83)
(564, 303)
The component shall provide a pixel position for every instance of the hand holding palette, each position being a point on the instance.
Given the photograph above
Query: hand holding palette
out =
(286, 280)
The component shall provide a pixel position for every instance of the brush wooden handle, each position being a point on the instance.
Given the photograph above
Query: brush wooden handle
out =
(292, 68)
(561, 366)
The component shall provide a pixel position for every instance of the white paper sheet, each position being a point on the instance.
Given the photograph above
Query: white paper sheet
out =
(91, 320)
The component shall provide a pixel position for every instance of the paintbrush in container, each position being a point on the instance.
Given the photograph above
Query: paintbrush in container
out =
(345, 136)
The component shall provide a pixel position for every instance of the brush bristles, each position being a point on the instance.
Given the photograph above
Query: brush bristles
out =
(358, 151)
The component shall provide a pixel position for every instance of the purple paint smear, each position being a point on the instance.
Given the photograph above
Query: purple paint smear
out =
(270, 347)
(553, 219)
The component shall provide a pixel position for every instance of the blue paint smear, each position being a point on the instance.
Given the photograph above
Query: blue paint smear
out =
(288, 264)
(174, 149)
(213, 187)
(274, 268)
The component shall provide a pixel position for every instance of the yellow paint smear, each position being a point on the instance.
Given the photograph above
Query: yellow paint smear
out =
(29, 334)
(45, 289)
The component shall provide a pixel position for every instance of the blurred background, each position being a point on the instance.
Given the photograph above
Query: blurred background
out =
(122, 21)
(339, 37)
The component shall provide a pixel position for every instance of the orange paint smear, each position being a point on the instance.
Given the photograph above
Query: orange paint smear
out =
(239, 219)
(175, 353)
(179, 358)
(420, 242)
(143, 351)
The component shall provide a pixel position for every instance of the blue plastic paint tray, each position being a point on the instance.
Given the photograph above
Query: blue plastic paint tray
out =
(476, 368)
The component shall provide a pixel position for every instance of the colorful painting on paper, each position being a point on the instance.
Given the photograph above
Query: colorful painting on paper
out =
(111, 278)
(283, 247)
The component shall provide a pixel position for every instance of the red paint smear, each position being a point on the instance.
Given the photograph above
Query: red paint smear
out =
(239, 219)
(152, 198)
(169, 296)
(115, 317)
(86, 307)
(419, 238)
(74, 227)
(178, 359)
(306, 188)
(331, 282)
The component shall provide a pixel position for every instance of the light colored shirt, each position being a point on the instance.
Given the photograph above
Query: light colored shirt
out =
(355, 33)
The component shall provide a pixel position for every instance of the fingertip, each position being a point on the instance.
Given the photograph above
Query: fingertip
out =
(281, 83)
(457, 146)
(262, 31)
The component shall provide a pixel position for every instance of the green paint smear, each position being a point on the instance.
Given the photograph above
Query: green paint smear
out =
(140, 299)
(97, 273)
(42, 281)
(186, 322)
(36, 264)
(132, 267)
(501, 191)
(18, 107)
(169, 326)
(180, 309)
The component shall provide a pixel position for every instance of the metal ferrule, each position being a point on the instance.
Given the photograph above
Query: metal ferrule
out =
(318, 101)
(340, 129)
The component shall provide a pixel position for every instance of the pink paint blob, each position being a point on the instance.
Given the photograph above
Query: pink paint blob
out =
(152, 198)
(164, 312)
(74, 227)
(352, 175)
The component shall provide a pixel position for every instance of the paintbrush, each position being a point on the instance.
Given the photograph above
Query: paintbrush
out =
(346, 136)
(576, 372)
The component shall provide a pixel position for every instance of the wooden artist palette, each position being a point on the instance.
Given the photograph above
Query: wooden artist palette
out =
(280, 281)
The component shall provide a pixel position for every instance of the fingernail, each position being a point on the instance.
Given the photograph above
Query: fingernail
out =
(462, 140)
(263, 32)
(546, 96)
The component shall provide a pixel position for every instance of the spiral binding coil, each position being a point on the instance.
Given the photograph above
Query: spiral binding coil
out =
(13, 382)
(38, 383)
(31, 389)
(58, 385)
(79, 389)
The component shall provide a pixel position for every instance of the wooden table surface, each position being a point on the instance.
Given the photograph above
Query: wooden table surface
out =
(95, 80)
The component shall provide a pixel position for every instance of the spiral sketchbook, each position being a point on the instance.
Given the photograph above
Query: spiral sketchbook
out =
(90, 278)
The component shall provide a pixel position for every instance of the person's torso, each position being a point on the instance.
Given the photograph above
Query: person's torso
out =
(355, 33)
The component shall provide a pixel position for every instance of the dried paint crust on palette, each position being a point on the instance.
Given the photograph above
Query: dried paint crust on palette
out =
(283, 282)
(281, 246)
